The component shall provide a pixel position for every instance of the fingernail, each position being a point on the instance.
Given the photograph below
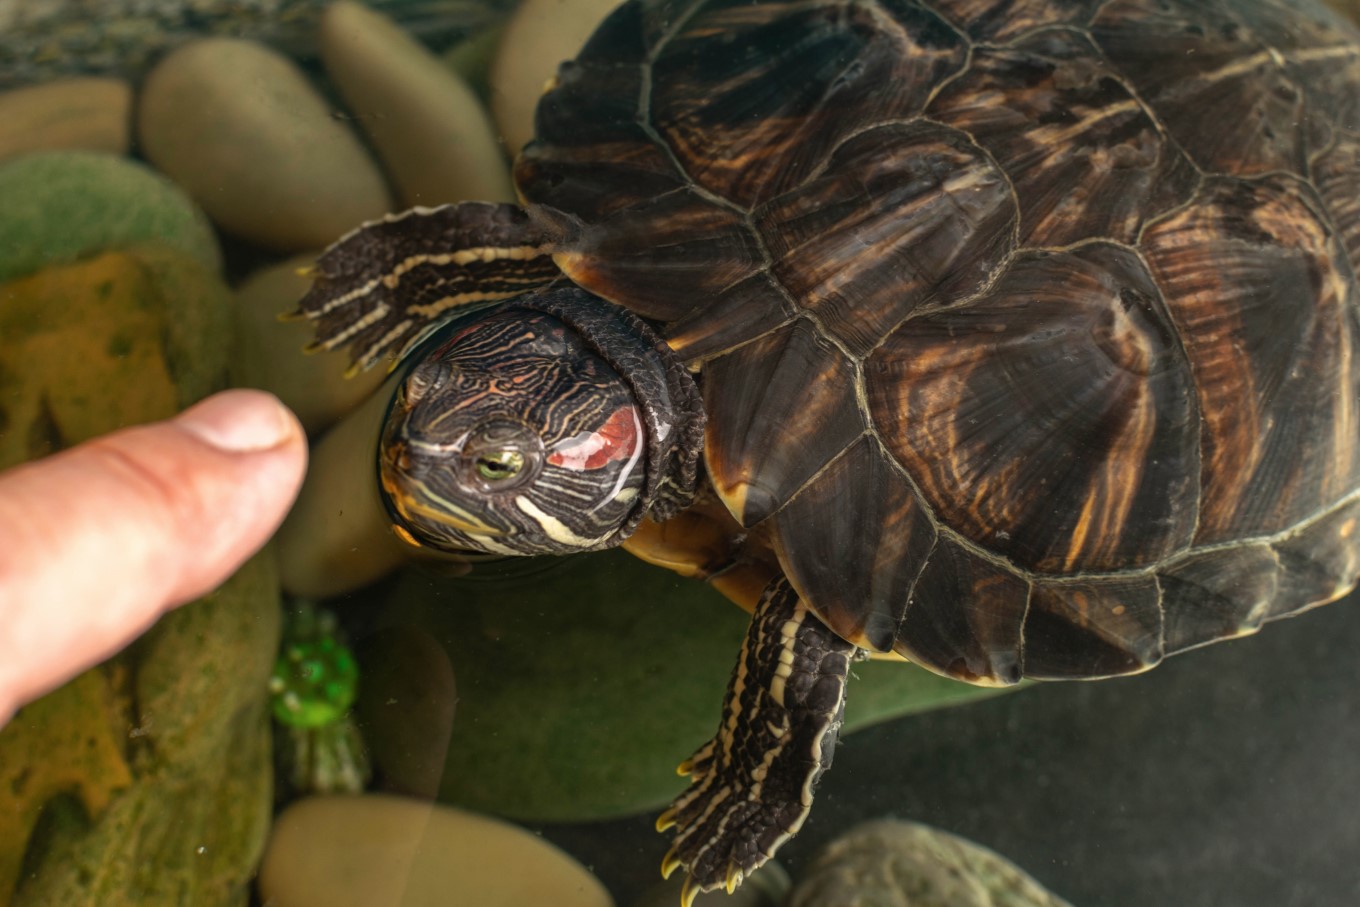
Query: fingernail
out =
(239, 421)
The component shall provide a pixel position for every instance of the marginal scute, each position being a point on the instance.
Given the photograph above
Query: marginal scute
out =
(1084, 156)
(1099, 627)
(1217, 594)
(965, 618)
(1271, 368)
(750, 116)
(664, 256)
(1187, 60)
(594, 166)
(1050, 420)
(740, 312)
(779, 409)
(902, 214)
(1320, 562)
(852, 543)
(1337, 175)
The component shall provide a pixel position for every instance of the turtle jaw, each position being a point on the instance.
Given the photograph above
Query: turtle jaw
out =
(423, 514)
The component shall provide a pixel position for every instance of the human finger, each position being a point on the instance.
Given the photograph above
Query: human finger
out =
(98, 541)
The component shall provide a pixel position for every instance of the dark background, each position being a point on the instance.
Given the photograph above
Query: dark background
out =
(1226, 777)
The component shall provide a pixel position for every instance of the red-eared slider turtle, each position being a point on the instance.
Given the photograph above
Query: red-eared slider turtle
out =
(1015, 337)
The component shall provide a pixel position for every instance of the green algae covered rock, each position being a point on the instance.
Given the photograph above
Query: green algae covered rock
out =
(147, 779)
(61, 206)
(582, 682)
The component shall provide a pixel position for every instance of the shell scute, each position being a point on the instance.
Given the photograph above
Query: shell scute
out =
(1189, 58)
(998, 22)
(854, 540)
(1085, 157)
(1099, 627)
(1049, 420)
(1217, 594)
(966, 617)
(901, 215)
(750, 103)
(787, 407)
(1319, 562)
(1269, 369)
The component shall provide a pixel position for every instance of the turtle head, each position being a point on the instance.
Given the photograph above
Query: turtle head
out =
(516, 434)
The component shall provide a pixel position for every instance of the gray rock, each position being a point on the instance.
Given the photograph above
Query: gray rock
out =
(889, 863)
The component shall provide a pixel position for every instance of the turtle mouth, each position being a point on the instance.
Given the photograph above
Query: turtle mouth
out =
(421, 511)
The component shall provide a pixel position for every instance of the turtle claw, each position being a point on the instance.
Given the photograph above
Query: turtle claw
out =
(689, 892)
(734, 877)
(666, 820)
(670, 863)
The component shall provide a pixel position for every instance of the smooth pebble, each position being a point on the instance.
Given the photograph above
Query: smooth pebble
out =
(425, 122)
(83, 113)
(371, 850)
(540, 36)
(338, 537)
(244, 132)
(270, 353)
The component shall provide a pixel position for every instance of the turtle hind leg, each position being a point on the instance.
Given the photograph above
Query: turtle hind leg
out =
(379, 289)
(751, 785)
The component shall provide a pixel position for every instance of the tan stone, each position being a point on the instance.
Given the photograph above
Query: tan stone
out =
(425, 122)
(338, 536)
(84, 114)
(244, 132)
(269, 351)
(539, 37)
(369, 850)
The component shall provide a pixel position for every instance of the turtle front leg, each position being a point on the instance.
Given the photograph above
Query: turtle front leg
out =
(751, 785)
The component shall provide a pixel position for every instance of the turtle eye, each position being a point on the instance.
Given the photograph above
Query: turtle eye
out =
(495, 466)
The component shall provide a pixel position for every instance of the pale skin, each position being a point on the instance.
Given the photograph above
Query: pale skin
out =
(100, 540)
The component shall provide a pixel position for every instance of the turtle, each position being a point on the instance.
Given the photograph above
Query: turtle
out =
(1016, 339)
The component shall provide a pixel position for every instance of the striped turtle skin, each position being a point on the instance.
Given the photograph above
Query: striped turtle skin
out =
(1018, 338)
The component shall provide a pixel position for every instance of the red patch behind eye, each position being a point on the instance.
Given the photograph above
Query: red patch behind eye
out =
(617, 439)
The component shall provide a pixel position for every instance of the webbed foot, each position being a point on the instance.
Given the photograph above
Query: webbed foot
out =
(751, 785)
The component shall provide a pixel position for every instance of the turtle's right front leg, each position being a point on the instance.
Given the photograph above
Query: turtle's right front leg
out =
(751, 785)
(381, 288)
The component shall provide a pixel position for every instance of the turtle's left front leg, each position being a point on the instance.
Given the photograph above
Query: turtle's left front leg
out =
(751, 785)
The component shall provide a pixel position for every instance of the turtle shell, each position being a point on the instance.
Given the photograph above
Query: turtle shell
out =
(1027, 327)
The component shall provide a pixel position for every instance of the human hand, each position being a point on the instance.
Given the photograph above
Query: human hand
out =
(98, 541)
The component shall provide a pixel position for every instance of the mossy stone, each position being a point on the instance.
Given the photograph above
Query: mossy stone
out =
(62, 206)
(584, 681)
(168, 742)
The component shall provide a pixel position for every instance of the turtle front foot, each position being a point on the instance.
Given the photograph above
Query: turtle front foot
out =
(751, 785)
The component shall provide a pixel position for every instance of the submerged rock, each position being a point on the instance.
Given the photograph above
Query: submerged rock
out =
(425, 122)
(61, 206)
(167, 744)
(244, 132)
(71, 114)
(888, 863)
(362, 851)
